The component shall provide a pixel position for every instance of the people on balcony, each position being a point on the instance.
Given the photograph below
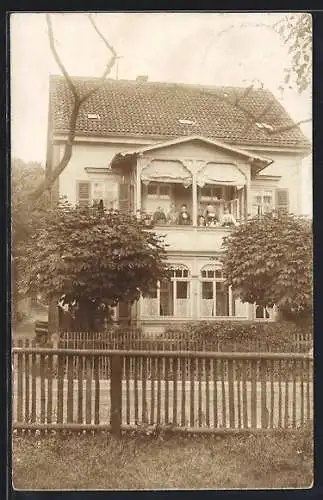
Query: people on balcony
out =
(211, 218)
(159, 217)
(227, 219)
(201, 220)
(184, 218)
(172, 217)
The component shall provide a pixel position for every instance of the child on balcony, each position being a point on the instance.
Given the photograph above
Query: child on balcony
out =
(227, 219)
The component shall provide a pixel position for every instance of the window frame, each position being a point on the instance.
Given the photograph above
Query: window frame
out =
(157, 195)
(105, 184)
(174, 280)
(262, 192)
(214, 280)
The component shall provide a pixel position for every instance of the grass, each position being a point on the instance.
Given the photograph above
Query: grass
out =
(93, 462)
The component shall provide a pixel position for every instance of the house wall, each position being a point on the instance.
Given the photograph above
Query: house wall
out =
(289, 167)
(86, 155)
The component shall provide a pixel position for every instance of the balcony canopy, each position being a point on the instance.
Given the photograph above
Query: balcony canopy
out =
(221, 173)
(170, 171)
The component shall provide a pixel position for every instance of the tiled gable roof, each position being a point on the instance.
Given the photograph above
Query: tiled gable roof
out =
(150, 109)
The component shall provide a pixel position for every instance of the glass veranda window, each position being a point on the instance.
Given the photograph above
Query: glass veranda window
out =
(171, 297)
(216, 297)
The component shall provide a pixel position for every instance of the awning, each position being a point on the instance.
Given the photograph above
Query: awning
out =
(221, 173)
(166, 171)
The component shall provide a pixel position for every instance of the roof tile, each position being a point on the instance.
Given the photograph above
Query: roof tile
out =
(152, 109)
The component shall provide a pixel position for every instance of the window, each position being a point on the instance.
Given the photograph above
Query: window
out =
(160, 191)
(89, 193)
(171, 297)
(211, 192)
(263, 313)
(262, 202)
(216, 297)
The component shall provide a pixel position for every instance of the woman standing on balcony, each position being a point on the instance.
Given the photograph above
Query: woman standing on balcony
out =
(184, 218)
(211, 218)
(172, 217)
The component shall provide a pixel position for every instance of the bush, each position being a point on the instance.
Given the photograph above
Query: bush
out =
(239, 335)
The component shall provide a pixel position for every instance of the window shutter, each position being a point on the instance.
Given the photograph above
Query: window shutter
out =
(124, 197)
(282, 201)
(124, 312)
(83, 193)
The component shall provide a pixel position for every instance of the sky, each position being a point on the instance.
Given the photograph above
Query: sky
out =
(202, 48)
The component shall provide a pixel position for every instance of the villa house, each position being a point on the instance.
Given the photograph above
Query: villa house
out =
(151, 148)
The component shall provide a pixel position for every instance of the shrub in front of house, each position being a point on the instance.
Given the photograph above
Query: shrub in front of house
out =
(277, 336)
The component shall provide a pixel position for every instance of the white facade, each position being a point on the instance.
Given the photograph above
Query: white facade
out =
(204, 167)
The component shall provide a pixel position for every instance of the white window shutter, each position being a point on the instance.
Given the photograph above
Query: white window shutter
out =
(282, 201)
(83, 193)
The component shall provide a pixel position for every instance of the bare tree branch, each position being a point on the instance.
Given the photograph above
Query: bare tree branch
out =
(78, 101)
(289, 127)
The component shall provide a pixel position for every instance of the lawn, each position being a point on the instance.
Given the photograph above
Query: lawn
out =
(135, 462)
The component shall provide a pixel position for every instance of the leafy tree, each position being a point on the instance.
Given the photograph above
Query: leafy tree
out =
(24, 219)
(94, 259)
(296, 32)
(268, 260)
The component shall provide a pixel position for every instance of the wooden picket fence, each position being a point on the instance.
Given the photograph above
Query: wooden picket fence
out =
(302, 342)
(63, 389)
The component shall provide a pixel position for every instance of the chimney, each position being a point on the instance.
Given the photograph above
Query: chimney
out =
(142, 78)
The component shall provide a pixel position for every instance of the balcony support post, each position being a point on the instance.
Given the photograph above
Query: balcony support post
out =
(138, 186)
(194, 200)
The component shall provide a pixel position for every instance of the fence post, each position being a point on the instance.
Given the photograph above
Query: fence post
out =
(116, 395)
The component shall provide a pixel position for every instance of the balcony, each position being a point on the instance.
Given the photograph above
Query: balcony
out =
(192, 238)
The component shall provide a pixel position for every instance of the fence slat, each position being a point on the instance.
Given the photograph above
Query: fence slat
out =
(280, 395)
(183, 392)
(159, 368)
(238, 381)
(19, 383)
(192, 383)
(27, 384)
(70, 392)
(286, 412)
(224, 372)
(88, 390)
(167, 362)
(230, 364)
(80, 368)
(116, 395)
(207, 368)
(42, 388)
(308, 365)
(263, 389)
(49, 389)
(60, 387)
(245, 394)
(144, 391)
(96, 390)
(215, 393)
(303, 370)
(271, 367)
(294, 375)
(136, 370)
(175, 375)
(253, 364)
(127, 377)
(152, 382)
(199, 375)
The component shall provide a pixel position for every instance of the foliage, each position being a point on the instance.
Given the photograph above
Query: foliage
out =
(268, 260)
(94, 259)
(296, 32)
(24, 219)
(239, 335)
